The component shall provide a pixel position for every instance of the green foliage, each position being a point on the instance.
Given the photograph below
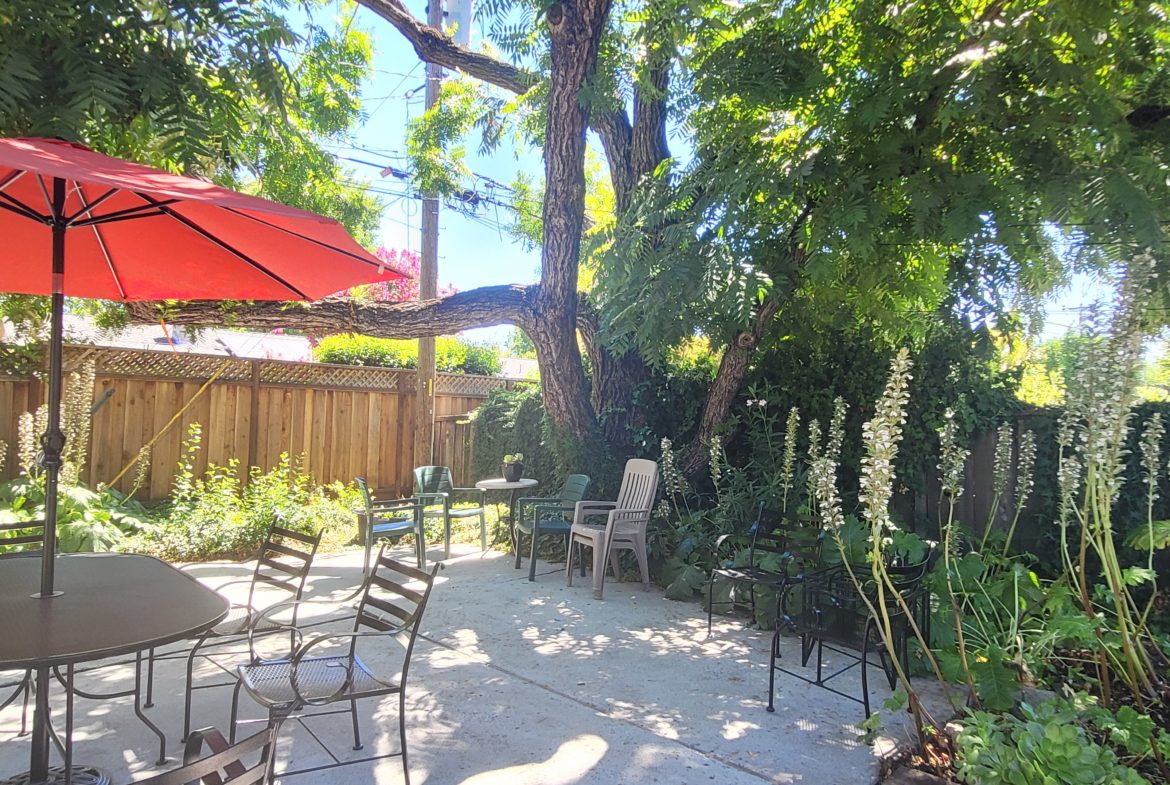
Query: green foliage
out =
(852, 160)
(219, 515)
(509, 422)
(87, 520)
(452, 355)
(1050, 744)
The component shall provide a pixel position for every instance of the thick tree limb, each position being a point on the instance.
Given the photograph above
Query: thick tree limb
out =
(484, 307)
(432, 46)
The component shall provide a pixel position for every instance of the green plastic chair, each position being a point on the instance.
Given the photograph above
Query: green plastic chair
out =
(551, 515)
(390, 519)
(435, 489)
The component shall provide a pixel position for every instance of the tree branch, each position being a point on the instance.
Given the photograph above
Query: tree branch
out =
(484, 307)
(432, 46)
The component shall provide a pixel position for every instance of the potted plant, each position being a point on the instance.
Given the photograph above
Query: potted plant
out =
(513, 467)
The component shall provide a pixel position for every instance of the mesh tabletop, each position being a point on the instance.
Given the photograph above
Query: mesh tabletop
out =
(112, 604)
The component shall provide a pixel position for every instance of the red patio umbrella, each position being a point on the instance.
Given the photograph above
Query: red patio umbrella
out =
(79, 223)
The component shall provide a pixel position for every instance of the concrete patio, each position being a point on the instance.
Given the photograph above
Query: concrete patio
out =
(520, 683)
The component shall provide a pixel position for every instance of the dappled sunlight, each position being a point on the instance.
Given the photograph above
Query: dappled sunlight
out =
(737, 729)
(571, 763)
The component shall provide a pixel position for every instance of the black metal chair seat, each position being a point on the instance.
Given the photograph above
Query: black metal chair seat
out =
(782, 552)
(393, 599)
(282, 564)
(318, 679)
(833, 613)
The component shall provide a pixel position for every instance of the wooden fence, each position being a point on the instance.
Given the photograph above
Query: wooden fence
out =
(345, 421)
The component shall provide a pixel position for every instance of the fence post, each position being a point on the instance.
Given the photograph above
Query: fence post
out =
(254, 419)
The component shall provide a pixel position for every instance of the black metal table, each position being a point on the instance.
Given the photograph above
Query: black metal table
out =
(112, 605)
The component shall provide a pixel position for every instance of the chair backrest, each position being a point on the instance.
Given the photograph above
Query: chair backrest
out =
(284, 560)
(433, 479)
(365, 489)
(389, 603)
(639, 485)
(225, 764)
(26, 538)
(575, 488)
(795, 541)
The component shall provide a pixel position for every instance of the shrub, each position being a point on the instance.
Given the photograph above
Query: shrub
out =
(87, 520)
(452, 355)
(512, 421)
(218, 515)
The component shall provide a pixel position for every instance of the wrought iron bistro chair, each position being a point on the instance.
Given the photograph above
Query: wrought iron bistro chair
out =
(392, 603)
(226, 763)
(283, 564)
(832, 612)
(781, 552)
(550, 515)
(23, 539)
(625, 525)
(435, 489)
(390, 519)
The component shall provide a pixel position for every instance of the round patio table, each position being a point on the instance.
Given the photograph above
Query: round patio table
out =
(112, 605)
(500, 484)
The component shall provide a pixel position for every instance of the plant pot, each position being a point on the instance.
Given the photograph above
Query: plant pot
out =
(512, 471)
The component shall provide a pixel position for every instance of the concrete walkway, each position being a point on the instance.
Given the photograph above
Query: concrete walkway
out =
(524, 684)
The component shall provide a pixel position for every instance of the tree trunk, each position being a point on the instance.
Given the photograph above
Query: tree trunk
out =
(575, 28)
(615, 383)
(728, 379)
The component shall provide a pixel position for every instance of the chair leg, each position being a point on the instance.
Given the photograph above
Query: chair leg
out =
(599, 559)
(643, 563)
(446, 536)
(865, 666)
(357, 738)
(482, 530)
(402, 735)
(187, 691)
(772, 670)
(515, 538)
(532, 557)
(710, 601)
(581, 556)
(569, 561)
(616, 564)
(149, 704)
(28, 688)
(233, 721)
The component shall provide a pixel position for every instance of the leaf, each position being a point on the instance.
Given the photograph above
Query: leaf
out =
(1136, 576)
(689, 580)
(996, 679)
(1154, 536)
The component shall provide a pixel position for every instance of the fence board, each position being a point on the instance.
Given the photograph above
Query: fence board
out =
(345, 421)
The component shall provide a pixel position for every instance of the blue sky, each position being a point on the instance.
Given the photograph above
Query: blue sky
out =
(471, 254)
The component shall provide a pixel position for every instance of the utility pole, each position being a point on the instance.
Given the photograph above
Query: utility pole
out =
(428, 281)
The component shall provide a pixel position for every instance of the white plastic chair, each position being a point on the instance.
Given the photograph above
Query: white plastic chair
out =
(626, 520)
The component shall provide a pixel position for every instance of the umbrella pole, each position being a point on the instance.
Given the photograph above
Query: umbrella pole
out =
(53, 442)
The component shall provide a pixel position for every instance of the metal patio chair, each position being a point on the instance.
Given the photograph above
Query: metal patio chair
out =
(390, 519)
(392, 603)
(225, 764)
(282, 564)
(550, 515)
(435, 489)
(21, 540)
(626, 520)
(832, 614)
(781, 552)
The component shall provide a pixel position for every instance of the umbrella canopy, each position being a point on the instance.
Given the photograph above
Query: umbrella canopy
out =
(137, 233)
(79, 223)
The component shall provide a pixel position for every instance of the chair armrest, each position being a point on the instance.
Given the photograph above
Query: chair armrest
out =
(480, 492)
(590, 507)
(260, 617)
(535, 499)
(622, 514)
(539, 508)
(299, 656)
(394, 504)
(719, 545)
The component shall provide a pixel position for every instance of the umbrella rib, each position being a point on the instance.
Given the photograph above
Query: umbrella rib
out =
(379, 265)
(141, 211)
(185, 221)
(101, 241)
(12, 178)
(88, 208)
(20, 208)
(45, 193)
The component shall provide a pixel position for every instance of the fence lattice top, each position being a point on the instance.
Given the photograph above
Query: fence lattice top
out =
(183, 366)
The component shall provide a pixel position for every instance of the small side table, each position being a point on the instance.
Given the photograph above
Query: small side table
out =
(500, 484)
